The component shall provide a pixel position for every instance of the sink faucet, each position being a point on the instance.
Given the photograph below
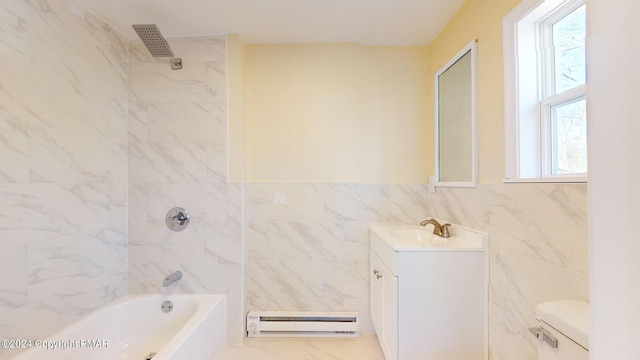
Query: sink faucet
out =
(173, 277)
(440, 230)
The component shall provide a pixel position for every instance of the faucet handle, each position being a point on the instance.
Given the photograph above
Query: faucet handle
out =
(445, 230)
(177, 219)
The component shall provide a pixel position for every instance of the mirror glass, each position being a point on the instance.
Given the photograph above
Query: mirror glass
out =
(456, 154)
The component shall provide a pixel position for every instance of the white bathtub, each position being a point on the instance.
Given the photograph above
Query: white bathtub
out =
(135, 326)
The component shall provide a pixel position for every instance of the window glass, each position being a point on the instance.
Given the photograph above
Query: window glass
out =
(569, 34)
(569, 137)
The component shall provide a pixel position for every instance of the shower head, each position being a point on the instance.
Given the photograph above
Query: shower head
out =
(156, 43)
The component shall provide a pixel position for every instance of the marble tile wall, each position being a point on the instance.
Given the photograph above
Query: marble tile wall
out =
(177, 157)
(308, 243)
(308, 246)
(63, 173)
(538, 252)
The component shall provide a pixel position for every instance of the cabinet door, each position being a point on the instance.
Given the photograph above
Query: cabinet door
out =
(375, 292)
(384, 306)
(390, 313)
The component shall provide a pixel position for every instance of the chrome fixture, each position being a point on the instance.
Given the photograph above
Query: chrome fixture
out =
(167, 306)
(177, 219)
(156, 43)
(545, 336)
(440, 230)
(175, 276)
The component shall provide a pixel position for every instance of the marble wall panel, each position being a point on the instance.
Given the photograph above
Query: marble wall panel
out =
(285, 202)
(344, 201)
(499, 272)
(59, 155)
(305, 240)
(356, 240)
(308, 244)
(14, 17)
(538, 251)
(167, 162)
(330, 223)
(508, 339)
(177, 157)
(14, 285)
(548, 221)
(65, 273)
(462, 206)
(63, 179)
(14, 145)
(532, 281)
(408, 203)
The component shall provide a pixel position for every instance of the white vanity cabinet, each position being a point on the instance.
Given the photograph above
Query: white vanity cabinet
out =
(429, 303)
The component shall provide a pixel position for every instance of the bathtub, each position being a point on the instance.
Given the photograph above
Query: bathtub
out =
(135, 327)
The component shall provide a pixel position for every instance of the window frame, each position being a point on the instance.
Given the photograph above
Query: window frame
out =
(527, 111)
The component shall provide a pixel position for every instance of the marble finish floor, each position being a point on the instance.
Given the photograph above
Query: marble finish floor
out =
(364, 347)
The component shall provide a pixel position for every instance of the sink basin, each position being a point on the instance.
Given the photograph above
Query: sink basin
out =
(421, 238)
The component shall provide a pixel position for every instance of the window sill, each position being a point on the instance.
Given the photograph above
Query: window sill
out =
(559, 179)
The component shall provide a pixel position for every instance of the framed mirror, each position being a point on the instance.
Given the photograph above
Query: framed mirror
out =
(456, 133)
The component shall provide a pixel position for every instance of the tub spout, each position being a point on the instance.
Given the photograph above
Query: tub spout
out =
(175, 276)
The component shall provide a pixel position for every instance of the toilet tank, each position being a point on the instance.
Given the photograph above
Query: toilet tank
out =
(563, 332)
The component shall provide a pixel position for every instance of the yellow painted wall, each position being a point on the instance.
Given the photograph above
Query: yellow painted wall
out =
(482, 20)
(344, 112)
(338, 113)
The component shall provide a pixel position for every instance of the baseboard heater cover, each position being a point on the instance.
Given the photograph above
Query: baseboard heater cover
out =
(303, 324)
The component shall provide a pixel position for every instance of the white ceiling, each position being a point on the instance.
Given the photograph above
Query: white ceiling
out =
(371, 22)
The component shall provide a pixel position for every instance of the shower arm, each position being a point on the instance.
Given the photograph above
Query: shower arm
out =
(176, 63)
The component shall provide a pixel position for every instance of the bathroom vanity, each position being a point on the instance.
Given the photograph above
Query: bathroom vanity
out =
(428, 294)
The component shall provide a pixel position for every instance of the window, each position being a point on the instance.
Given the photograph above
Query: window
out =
(545, 91)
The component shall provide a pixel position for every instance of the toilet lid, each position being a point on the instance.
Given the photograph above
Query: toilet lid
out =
(569, 317)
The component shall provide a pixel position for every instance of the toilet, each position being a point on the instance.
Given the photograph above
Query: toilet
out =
(563, 331)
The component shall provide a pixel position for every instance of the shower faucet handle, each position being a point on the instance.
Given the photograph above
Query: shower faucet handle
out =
(177, 219)
(181, 217)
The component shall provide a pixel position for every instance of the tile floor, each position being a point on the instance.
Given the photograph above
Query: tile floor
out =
(364, 347)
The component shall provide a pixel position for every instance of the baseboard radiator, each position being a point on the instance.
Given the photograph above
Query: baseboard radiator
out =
(303, 324)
